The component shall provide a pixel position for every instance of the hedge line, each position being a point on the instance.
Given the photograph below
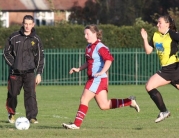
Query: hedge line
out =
(72, 36)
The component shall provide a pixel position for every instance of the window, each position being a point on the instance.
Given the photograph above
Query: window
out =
(67, 15)
(4, 17)
(44, 18)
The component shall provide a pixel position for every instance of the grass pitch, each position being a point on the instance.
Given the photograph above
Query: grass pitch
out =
(58, 104)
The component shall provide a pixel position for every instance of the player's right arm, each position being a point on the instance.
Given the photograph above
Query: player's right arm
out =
(84, 66)
(8, 53)
(148, 49)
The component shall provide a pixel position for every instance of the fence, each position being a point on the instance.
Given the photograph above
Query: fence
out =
(130, 66)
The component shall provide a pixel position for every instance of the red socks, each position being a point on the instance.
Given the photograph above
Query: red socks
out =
(117, 103)
(82, 110)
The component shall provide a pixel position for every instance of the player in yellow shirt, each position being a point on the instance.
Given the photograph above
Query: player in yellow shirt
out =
(165, 41)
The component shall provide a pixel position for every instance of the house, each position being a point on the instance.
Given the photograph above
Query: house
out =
(45, 12)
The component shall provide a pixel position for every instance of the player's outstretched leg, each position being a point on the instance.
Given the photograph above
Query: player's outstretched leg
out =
(131, 101)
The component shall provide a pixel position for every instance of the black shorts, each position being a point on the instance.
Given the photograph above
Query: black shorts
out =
(170, 72)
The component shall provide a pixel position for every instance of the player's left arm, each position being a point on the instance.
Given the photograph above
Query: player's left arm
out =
(174, 35)
(106, 67)
(107, 57)
(39, 62)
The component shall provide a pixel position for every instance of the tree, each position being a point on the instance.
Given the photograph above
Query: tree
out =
(119, 12)
(174, 13)
(86, 15)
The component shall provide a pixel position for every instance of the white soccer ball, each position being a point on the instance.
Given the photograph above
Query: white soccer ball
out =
(22, 123)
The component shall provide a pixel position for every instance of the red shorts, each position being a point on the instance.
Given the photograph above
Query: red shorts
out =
(97, 84)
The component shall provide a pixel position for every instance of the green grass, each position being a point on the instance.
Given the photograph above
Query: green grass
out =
(58, 104)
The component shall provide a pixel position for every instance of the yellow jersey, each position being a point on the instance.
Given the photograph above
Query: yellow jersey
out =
(166, 46)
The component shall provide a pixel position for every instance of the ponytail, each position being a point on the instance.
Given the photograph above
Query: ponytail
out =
(171, 22)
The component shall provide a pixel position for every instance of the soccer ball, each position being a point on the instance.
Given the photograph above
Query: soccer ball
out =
(22, 123)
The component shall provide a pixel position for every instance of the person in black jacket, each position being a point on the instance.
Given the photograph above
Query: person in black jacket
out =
(24, 54)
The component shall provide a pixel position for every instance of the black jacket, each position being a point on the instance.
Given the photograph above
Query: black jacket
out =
(23, 53)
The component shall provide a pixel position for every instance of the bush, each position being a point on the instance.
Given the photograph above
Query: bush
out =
(72, 36)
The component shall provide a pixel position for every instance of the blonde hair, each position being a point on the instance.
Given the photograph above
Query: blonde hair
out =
(93, 28)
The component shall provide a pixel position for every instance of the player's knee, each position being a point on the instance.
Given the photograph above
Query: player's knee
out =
(177, 86)
(12, 95)
(104, 107)
(147, 87)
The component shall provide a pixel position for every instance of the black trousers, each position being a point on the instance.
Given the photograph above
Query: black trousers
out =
(15, 84)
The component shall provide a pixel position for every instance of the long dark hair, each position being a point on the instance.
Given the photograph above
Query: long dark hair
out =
(171, 22)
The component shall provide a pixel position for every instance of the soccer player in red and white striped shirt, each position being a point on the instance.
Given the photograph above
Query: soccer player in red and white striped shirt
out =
(98, 62)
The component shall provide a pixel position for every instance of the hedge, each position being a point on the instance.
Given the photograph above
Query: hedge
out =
(72, 36)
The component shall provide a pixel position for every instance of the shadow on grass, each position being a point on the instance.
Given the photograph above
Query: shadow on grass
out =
(3, 121)
(138, 128)
(46, 127)
(6, 124)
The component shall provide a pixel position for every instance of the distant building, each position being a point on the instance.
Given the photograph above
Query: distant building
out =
(45, 12)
